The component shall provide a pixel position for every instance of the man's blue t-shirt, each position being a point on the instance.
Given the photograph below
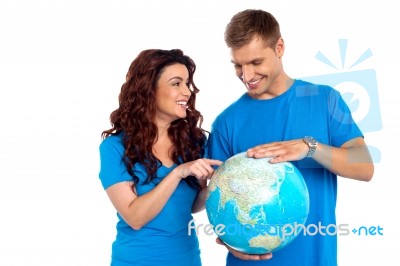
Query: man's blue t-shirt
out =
(165, 240)
(305, 109)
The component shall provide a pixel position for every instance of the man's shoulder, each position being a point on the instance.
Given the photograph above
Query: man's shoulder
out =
(233, 108)
(306, 88)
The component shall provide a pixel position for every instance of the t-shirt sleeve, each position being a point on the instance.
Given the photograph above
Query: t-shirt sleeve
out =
(112, 167)
(218, 146)
(343, 126)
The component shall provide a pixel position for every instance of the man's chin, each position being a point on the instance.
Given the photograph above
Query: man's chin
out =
(253, 94)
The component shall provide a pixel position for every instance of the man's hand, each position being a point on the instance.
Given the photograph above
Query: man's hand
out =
(244, 256)
(282, 151)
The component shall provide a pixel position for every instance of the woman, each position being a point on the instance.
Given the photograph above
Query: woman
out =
(151, 162)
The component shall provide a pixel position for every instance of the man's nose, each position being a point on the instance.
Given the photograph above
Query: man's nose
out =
(247, 73)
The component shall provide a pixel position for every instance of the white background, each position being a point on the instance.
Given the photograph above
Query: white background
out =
(62, 64)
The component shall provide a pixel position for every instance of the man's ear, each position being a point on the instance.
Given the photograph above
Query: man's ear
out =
(280, 48)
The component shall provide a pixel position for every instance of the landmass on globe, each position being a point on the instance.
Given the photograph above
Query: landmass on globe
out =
(255, 200)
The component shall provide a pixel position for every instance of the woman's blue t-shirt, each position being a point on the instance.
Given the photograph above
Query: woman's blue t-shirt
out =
(165, 240)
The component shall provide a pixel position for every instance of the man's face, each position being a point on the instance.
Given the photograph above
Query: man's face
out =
(259, 67)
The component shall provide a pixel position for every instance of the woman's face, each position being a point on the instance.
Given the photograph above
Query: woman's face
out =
(172, 93)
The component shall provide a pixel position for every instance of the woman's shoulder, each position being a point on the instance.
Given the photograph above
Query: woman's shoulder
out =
(112, 141)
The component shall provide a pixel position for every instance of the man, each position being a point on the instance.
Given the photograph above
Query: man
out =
(288, 120)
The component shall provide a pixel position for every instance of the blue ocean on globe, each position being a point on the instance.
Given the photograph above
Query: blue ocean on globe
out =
(257, 207)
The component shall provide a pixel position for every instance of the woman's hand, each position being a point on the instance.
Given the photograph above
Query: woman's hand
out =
(200, 168)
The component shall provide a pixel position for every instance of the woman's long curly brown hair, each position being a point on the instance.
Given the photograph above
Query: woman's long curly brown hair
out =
(134, 118)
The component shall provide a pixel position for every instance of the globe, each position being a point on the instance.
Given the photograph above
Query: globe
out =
(257, 207)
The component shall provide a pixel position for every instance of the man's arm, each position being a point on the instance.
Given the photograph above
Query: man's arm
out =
(351, 160)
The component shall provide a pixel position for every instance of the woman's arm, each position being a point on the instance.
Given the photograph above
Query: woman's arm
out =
(139, 210)
(199, 203)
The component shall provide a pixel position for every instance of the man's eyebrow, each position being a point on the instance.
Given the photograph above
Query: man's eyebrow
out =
(250, 62)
